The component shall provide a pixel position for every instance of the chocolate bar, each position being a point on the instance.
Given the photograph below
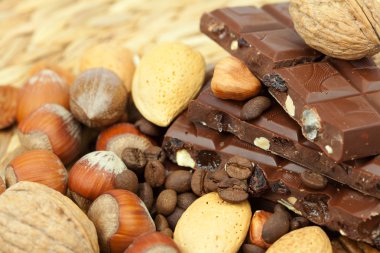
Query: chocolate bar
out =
(282, 136)
(336, 102)
(337, 207)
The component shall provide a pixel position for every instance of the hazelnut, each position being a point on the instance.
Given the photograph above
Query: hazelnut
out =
(2, 185)
(98, 172)
(63, 73)
(36, 218)
(54, 128)
(119, 217)
(44, 87)
(40, 166)
(113, 57)
(9, 97)
(154, 242)
(342, 29)
(233, 80)
(98, 97)
(256, 228)
(168, 77)
(121, 136)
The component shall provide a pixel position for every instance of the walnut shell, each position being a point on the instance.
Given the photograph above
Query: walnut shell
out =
(36, 218)
(344, 29)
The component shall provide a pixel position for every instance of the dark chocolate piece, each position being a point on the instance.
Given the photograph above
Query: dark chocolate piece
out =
(337, 207)
(275, 131)
(335, 101)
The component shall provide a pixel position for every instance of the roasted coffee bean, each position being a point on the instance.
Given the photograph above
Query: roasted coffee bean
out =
(168, 232)
(233, 190)
(298, 222)
(197, 181)
(145, 193)
(166, 202)
(276, 226)
(250, 248)
(154, 173)
(134, 158)
(239, 167)
(350, 245)
(127, 180)
(179, 180)
(210, 184)
(313, 180)
(155, 153)
(184, 200)
(174, 217)
(337, 247)
(148, 128)
(255, 107)
(161, 222)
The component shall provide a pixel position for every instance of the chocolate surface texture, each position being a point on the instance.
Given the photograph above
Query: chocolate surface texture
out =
(336, 207)
(336, 102)
(275, 131)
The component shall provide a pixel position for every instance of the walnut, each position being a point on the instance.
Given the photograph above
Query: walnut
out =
(36, 218)
(345, 29)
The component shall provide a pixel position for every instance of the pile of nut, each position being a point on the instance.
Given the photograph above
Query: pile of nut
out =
(91, 175)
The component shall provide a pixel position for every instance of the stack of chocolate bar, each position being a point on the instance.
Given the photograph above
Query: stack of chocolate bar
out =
(325, 117)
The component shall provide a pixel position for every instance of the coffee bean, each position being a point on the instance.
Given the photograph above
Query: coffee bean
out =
(127, 180)
(184, 200)
(255, 107)
(166, 202)
(197, 181)
(148, 128)
(298, 222)
(134, 159)
(174, 217)
(313, 180)
(145, 193)
(250, 248)
(168, 232)
(155, 153)
(233, 190)
(210, 184)
(351, 245)
(239, 167)
(337, 247)
(161, 222)
(154, 173)
(276, 225)
(179, 180)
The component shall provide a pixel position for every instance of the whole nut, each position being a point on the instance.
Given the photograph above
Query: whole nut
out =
(119, 217)
(167, 78)
(342, 29)
(40, 166)
(44, 87)
(256, 228)
(153, 242)
(41, 214)
(9, 99)
(179, 180)
(98, 97)
(54, 128)
(276, 225)
(184, 200)
(307, 239)
(166, 202)
(233, 80)
(2, 185)
(161, 222)
(148, 128)
(174, 217)
(110, 56)
(208, 218)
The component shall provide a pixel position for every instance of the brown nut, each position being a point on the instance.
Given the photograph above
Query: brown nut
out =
(9, 99)
(233, 80)
(2, 185)
(32, 212)
(145, 193)
(255, 107)
(276, 225)
(161, 222)
(166, 202)
(44, 87)
(40, 166)
(184, 200)
(98, 97)
(119, 217)
(154, 242)
(256, 228)
(54, 128)
(342, 29)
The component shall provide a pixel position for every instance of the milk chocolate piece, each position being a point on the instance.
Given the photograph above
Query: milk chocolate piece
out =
(337, 207)
(283, 137)
(336, 102)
